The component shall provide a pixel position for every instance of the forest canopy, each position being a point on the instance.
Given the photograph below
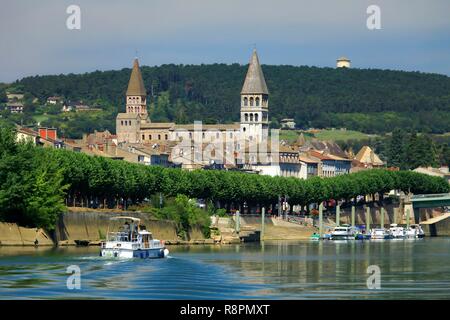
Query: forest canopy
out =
(368, 100)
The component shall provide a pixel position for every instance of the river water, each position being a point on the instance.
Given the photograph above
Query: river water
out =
(409, 269)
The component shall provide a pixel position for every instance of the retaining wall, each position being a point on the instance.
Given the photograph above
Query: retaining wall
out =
(12, 234)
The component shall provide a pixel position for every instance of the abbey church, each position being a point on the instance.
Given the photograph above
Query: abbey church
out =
(244, 145)
(135, 127)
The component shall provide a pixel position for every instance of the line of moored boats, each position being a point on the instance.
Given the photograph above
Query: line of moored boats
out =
(348, 232)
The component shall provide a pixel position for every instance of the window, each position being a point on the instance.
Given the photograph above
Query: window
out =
(251, 102)
(257, 102)
(203, 135)
(121, 123)
(166, 137)
(143, 137)
(149, 137)
(159, 137)
(245, 101)
(251, 117)
(246, 117)
(217, 135)
(256, 117)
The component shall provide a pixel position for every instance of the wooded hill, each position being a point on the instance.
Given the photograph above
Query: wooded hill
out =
(368, 100)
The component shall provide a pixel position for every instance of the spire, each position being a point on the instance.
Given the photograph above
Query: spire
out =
(136, 84)
(254, 81)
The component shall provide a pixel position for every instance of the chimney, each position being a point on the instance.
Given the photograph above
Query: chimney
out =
(51, 133)
(43, 133)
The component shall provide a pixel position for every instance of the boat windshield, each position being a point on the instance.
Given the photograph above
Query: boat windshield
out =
(124, 233)
(118, 236)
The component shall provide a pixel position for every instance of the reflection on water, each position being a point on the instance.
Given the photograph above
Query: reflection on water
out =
(417, 269)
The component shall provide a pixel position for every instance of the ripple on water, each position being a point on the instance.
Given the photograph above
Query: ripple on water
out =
(279, 270)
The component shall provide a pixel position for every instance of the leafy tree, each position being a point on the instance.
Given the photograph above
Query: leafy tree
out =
(396, 151)
(31, 192)
(3, 97)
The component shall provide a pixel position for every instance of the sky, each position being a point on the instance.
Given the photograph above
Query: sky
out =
(35, 40)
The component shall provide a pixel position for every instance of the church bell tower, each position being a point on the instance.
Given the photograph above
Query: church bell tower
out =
(255, 103)
(136, 94)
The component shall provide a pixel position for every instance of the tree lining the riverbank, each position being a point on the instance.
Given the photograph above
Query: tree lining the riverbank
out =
(35, 183)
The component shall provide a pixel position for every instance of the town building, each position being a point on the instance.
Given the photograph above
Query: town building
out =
(54, 100)
(343, 62)
(24, 134)
(46, 137)
(12, 97)
(15, 107)
(366, 158)
(442, 172)
(330, 165)
(287, 124)
(290, 164)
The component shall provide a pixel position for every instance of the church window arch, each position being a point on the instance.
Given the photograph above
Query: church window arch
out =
(256, 117)
(246, 117)
(245, 101)
(257, 102)
(166, 137)
(149, 137)
(251, 117)
(251, 102)
(159, 137)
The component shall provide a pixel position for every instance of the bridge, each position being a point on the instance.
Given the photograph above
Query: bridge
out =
(438, 225)
(429, 201)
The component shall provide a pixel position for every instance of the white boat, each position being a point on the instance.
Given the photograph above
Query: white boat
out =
(344, 232)
(396, 231)
(414, 231)
(380, 233)
(131, 240)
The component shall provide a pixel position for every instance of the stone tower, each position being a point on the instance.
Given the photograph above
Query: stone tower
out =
(255, 103)
(128, 124)
(136, 94)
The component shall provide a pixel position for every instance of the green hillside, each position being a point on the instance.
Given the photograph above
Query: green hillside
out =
(370, 101)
